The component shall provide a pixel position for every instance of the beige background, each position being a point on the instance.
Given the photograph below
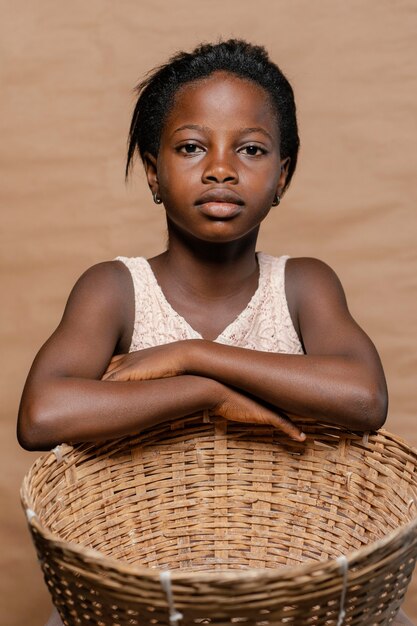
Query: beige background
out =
(67, 69)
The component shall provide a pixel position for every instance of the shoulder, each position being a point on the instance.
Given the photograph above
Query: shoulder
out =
(108, 280)
(314, 293)
(303, 278)
(309, 277)
(103, 298)
(308, 266)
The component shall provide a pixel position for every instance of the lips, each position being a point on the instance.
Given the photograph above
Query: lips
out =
(220, 195)
(220, 204)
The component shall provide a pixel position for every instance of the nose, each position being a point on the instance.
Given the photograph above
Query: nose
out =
(220, 169)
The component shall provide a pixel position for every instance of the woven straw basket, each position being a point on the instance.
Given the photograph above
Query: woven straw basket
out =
(200, 521)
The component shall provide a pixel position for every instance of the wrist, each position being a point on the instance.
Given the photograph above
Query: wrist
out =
(196, 356)
(215, 393)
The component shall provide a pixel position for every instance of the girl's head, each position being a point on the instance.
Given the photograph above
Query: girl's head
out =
(157, 94)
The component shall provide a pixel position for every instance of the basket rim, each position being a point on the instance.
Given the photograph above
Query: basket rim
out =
(232, 575)
(235, 575)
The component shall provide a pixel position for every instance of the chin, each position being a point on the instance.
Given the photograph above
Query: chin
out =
(226, 237)
(214, 232)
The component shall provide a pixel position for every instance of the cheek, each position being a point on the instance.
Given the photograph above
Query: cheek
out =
(167, 182)
(174, 178)
(262, 183)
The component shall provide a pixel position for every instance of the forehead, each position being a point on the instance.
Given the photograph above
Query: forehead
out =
(222, 101)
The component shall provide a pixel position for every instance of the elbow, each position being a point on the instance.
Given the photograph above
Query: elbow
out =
(374, 408)
(33, 433)
(27, 443)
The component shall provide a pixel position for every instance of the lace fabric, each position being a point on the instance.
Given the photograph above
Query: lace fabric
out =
(265, 324)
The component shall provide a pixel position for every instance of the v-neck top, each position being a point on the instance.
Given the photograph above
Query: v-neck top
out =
(264, 324)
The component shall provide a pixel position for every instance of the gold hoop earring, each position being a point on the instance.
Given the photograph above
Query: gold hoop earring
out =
(156, 198)
(276, 200)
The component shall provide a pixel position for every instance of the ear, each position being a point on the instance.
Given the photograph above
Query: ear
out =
(285, 164)
(149, 163)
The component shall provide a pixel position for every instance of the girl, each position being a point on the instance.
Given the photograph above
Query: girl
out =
(208, 324)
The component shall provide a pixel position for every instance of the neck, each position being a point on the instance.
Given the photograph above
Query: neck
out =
(209, 269)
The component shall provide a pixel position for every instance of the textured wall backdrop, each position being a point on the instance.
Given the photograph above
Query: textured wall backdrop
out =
(67, 70)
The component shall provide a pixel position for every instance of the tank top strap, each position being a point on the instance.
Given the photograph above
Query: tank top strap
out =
(286, 338)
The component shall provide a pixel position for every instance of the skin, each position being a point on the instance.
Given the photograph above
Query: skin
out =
(217, 172)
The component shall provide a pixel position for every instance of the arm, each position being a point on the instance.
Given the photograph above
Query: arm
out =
(64, 398)
(339, 379)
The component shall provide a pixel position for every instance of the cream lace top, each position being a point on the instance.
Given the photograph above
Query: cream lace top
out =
(265, 324)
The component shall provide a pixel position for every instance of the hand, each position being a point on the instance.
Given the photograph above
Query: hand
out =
(158, 362)
(237, 407)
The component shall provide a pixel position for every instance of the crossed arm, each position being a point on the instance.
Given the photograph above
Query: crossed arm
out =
(73, 394)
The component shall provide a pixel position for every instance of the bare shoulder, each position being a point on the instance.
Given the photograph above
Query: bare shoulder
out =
(318, 306)
(103, 298)
(107, 280)
(310, 280)
(302, 270)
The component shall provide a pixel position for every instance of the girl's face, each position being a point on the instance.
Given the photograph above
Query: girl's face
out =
(218, 167)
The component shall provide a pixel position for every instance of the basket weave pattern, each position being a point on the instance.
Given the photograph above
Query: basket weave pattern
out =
(249, 523)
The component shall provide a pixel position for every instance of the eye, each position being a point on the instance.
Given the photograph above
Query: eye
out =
(252, 150)
(189, 148)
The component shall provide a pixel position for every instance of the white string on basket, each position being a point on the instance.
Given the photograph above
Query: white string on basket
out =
(58, 453)
(174, 615)
(343, 565)
(30, 514)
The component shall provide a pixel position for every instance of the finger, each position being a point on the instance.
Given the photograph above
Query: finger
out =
(116, 361)
(113, 374)
(117, 358)
(114, 365)
(279, 419)
(288, 427)
(107, 375)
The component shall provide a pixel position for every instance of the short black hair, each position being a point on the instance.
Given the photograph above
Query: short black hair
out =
(156, 94)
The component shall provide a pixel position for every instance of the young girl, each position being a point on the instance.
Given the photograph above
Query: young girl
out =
(208, 324)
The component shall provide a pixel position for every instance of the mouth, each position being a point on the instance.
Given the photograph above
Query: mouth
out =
(220, 204)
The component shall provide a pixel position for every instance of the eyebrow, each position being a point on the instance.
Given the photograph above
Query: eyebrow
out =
(256, 129)
(192, 127)
(242, 131)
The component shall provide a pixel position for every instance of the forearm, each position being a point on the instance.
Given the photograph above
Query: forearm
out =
(73, 409)
(336, 388)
